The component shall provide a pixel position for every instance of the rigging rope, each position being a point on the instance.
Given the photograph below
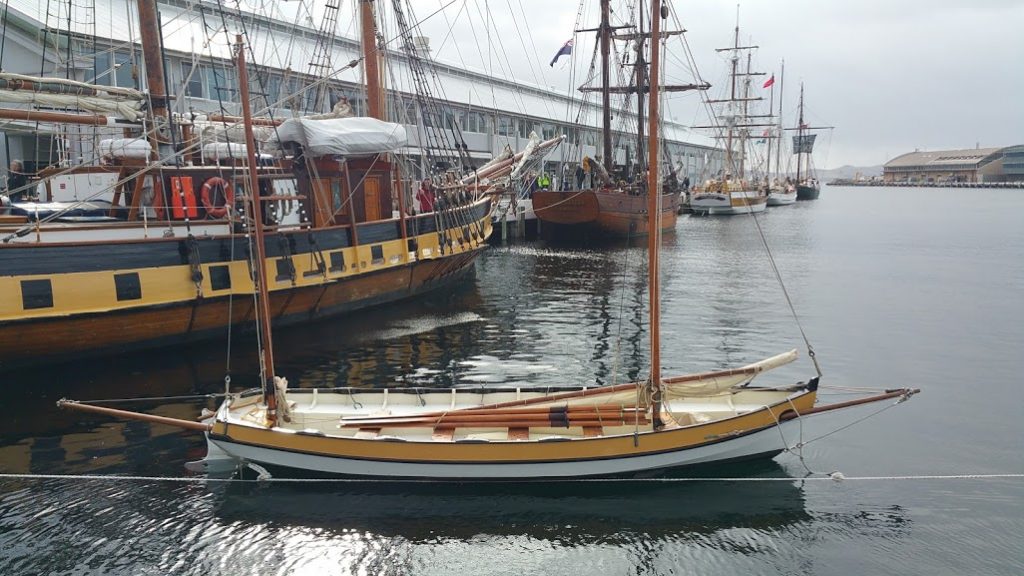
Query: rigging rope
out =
(232, 480)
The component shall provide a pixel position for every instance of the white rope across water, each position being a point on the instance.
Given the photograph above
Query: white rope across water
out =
(834, 477)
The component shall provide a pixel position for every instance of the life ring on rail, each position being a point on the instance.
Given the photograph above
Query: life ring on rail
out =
(207, 196)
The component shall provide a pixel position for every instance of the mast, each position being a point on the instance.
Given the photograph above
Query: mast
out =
(782, 85)
(745, 133)
(768, 155)
(371, 60)
(800, 133)
(729, 161)
(256, 217)
(640, 77)
(160, 135)
(606, 98)
(654, 214)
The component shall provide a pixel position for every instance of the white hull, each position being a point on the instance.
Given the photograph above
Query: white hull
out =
(781, 199)
(727, 203)
(764, 443)
(509, 212)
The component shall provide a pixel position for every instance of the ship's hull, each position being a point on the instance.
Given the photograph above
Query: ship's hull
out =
(73, 300)
(807, 192)
(502, 433)
(613, 213)
(765, 442)
(728, 203)
(781, 198)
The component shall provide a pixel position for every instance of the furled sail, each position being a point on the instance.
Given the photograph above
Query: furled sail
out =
(343, 136)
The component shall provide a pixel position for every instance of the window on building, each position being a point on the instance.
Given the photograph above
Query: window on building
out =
(506, 126)
(221, 83)
(193, 79)
(113, 69)
(525, 127)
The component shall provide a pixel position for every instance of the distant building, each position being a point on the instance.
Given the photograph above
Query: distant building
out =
(970, 165)
(1013, 163)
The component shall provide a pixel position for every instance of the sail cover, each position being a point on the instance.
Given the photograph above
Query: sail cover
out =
(804, 144)
(343, 136)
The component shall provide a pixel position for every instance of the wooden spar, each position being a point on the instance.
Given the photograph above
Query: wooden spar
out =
(149, 31)
(905, 392)
(752, 370)
(256, 217)
(515, 411)
(59, 117)
(371, 60)
(606, 103)
(237, 119)
(128, 415)
(654, 213)
(511, 423)
(800, 133)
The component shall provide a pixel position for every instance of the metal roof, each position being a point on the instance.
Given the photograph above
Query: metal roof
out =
(939, 159)
(284, 45)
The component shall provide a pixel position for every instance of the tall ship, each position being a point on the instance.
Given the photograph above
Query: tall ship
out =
(807, 185)
(734, 190)
(780, 188)
(166, 259)
(606, 197)
(635, 429)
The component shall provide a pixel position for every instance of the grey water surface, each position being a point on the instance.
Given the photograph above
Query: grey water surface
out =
(894, 288)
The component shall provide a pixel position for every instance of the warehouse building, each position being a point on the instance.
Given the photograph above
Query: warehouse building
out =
(974, 165)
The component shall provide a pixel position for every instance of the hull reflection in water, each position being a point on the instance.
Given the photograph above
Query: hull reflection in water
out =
(578, 513)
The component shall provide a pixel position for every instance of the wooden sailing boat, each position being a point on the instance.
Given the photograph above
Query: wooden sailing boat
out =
(733, 191)
(573, 432)
(807, 185)
(616, 208)
(177, 271)
(781, 191)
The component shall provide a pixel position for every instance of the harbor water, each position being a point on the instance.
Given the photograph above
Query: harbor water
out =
(894, 288)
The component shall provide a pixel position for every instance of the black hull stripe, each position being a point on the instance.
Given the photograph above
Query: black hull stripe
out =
(37, 259)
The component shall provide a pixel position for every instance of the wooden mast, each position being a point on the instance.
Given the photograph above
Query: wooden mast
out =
(654, 213)
(606, 102)
(782, 86)
(371, 60)
(149, 30)
(640, 78)
(256, 217)
(800, 134)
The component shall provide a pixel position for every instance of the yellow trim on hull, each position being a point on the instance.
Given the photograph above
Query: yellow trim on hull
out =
(496, 452)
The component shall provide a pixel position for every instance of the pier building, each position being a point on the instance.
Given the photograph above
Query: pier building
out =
(491, 111)
(973, 165)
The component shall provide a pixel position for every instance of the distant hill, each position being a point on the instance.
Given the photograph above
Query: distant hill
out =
(849, 172)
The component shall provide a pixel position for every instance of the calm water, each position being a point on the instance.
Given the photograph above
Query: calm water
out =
(902, 287)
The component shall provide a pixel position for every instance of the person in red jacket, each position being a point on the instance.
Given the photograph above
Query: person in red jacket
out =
(425, 196)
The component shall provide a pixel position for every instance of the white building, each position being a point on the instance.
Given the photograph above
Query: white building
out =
(490, 111)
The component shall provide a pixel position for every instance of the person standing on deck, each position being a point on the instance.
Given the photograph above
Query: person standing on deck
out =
(16, 178)
(425, 196)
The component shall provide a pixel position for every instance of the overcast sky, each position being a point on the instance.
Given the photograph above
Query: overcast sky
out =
(891, 76)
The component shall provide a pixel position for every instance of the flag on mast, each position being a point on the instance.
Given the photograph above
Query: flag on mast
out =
(769, 82)
(565, 50)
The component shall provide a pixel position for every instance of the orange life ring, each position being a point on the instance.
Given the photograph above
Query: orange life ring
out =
(206, 196)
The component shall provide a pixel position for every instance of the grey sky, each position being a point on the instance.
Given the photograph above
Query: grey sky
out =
(891, 76)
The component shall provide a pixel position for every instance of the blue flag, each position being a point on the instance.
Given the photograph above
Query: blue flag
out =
(565, 50)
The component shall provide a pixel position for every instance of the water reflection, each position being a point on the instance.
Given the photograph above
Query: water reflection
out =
(571, 514)
(401, 528)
